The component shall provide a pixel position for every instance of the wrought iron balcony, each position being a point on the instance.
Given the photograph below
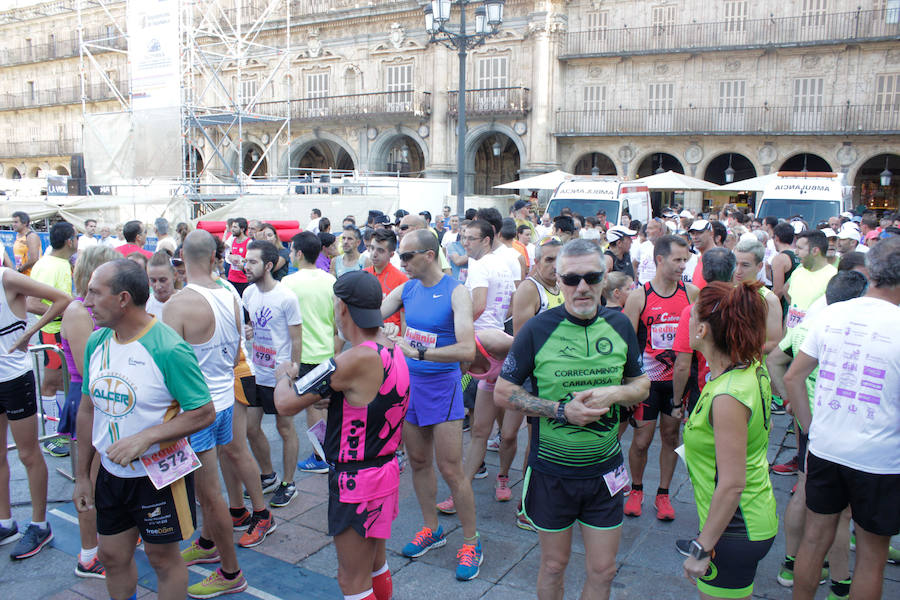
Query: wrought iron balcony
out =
(37, 148)
(317, 7)
(67, 48)
(846, 119)
(491, 102)
(97, 92)
(737, 34)
(350, 107)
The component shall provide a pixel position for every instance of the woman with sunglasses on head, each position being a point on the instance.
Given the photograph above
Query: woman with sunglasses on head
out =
(725, 440)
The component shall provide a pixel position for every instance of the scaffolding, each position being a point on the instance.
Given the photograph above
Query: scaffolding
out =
(236, 59)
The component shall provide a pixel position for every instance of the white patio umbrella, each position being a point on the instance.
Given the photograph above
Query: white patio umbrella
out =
(754, 184)
(670, 180)
(547, 181)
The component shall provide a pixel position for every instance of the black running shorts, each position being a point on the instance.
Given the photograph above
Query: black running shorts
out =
(17, 397)
(264, 398)
(554, 503)
(659, 401)
(733, 567)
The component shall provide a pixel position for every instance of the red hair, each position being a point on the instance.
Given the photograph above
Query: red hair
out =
(737, 317)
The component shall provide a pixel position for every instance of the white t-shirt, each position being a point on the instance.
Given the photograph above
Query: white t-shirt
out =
(449, 238)
(313, 225)
(492, 273)
(646, 265)
(271, 313)
(688, 275)
(154, 307)
(856, 419)
(86, 241)
(510, 258)
(771, 252)
(542, 231)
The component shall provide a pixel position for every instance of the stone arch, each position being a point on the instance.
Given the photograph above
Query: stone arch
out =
(379, 151)
(865, 179)
(34, 172)
(714, 170)
(253, 161)
(669, 162)
(476, 136)
(299, 146)
(61, 170)
(13, 173)
(583, 163)
(814, 162)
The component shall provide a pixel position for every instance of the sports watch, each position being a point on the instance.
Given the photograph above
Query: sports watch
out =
(697, 551)
(561, 414)
(421, 353)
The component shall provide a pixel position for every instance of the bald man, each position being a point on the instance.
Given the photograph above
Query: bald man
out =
(415, 223)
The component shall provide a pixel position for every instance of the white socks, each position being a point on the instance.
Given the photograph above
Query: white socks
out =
(86, 555)
(360, 596)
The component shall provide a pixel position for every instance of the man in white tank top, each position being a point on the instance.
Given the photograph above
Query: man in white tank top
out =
(208, 317)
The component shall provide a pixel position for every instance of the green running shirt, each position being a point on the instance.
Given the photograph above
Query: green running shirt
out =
(755, 518)
(563, 355)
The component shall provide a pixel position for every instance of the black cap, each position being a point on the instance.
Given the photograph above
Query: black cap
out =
(382, 218)
(362, 294)
(520, 204)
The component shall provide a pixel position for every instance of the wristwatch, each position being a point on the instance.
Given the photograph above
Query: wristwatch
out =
(697, 551)
(422, 353)
(561, 414)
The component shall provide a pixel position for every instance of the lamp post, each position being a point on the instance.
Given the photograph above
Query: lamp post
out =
(729, 172)
(488, 18)
(885, 175)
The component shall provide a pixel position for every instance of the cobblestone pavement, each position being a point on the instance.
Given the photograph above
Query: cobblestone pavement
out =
(299, 561)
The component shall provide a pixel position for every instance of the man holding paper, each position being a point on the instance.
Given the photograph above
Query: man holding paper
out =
(143, 394)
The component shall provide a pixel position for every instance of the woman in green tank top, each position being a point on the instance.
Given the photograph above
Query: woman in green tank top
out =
(726, 438)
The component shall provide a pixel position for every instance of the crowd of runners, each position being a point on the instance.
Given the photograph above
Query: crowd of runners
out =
(398, 334)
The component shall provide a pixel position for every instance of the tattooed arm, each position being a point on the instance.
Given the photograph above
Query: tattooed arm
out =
(509, 395)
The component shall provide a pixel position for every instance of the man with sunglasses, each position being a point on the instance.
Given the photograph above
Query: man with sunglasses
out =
(439, 334)
(585, 362)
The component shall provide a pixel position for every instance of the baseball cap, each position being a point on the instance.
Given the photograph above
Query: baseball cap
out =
(617, 232)
(520, 204)
(849, 233)
(829, 232)
(686, 214)
(700, 225)
(799, 227)
(361, 292)
(847, 214)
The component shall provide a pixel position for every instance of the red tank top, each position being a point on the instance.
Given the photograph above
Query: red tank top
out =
(656, 330)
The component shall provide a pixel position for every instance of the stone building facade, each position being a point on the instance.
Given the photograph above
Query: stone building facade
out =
(618, 87)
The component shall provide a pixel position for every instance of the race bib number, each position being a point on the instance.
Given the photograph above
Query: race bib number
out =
(417, 338)
(616, 480)
(166, 466)
(662, 335)
(795, 316)
(263, 356)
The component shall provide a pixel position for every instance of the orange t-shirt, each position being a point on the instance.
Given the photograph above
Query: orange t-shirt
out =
(390, 278)
(521, 249)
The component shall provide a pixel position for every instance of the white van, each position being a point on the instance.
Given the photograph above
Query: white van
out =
(586, 195)
(814, 196)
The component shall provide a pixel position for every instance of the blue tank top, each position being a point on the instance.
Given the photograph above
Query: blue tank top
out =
(429, 322)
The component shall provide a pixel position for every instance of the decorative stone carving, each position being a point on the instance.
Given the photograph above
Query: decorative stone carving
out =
(626, 154)
(424, 131)
(767, 154)
(693, 154)
(397, 35)
(661, 68)
(810, 61)
(314, 45)
(847, 155)
(595, 72)
(732, 65)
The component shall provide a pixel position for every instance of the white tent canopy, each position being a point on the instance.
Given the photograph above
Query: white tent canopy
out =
(670, 180)
(547, 181)
(754, 184)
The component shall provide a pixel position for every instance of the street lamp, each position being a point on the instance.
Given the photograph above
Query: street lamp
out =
(886, 174)
(488, 18)
(659, 169)
(729, 172)
(496, 148)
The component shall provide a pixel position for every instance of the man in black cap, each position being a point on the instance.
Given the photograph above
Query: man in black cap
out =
(520, 214)
(364, 412)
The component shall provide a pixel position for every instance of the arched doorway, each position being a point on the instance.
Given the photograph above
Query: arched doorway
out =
(197, 167)
(61, 170)
(404, 156)
(659, 162)
(716, 170)
(595, 163)
(253, 162)
(322, 156)
(34, 172)
(14, 173)
(867, 185)
(805, 162)
(496, 162)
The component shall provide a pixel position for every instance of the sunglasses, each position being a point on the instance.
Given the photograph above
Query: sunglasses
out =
(408, 256)
(404, 227)
(550, 240)
(176, 262)
(573, 279)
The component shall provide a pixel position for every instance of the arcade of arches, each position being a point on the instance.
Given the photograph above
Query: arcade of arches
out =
(323, 155)
(404, 157)
(496, 162)
(595, 160)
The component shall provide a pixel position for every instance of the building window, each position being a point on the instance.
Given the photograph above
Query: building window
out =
(662, 18)
(808, 95)
(317, 89)
(29, 92)
(594, 98)
(399, 85)
(661, 97)
(493, 80)
(887, 93)
(889, 9)
(51, 45)
(731, 96)
(249, 87)
(813, 13)
(597, 23)
(735, 15)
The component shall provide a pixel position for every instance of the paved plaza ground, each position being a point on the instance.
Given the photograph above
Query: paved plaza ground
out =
(299, 561)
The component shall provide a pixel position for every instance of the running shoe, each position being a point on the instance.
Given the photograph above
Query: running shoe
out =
(216, 584)
(893, 556)
(257, 531)
(195, 554)
(242, 522)
(469, 559)
(312, 464)
(32, 542)
(447, 507)
(633, 505)
(269, 484)
(284, 494)
(502, 493)
(837, 587)
(791, 467)
(664, 510)
(683, 547)
(424, 541)
(482, 472)
(523, 522)
(401, 460)
(493, 444)
(777, 406)
(8, 535)
(92, 569)
(786, 575)
(467, 423)
(58, 447)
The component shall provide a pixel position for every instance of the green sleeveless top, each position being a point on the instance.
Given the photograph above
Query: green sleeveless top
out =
(755, 518)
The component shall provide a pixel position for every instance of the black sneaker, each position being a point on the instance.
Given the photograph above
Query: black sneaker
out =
(777, 406)
(683, 547)
(482, 472)
(8, 535)
(32, 542)
(467, 425)
(57, 447)
(284, 494)
(269, 483)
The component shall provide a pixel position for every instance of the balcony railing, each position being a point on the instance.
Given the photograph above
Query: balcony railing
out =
(758, 120)
(67, 48)
(315, 7)
(861, 25)
(39, 148)
(352, 106)
(492, 101)
(72, 95)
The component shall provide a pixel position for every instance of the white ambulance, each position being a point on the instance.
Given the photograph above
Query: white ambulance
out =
(814, 196)
(586, 195)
